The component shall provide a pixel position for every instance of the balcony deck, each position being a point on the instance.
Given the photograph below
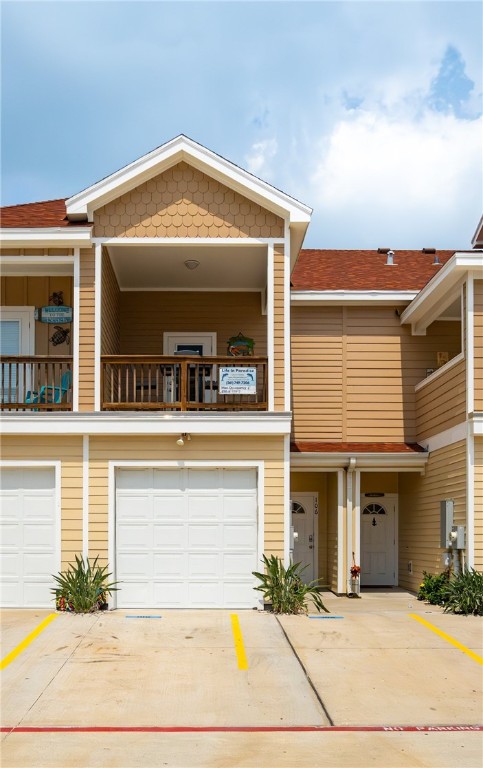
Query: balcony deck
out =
(35, 383)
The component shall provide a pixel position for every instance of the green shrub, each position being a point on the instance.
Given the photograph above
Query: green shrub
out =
(284, 588)
(464, 593)
(83, 588)
(432, 587)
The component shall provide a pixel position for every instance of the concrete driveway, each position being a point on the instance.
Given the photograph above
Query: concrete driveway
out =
(200, 688)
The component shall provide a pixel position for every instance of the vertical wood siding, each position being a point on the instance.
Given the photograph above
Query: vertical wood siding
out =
(33, 291)
(111, 301)
(354, 370)
(87, 329)
(478, 349)
(68, 450)
(279, 327)
(103, 449)
(184, 202)
(146, 315)
(419, 511)
(479, 503)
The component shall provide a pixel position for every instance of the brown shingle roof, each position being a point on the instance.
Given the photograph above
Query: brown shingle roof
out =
(48, 213)
(319, 447)
(332, 270)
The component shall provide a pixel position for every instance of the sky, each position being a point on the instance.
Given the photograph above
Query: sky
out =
(370, 112)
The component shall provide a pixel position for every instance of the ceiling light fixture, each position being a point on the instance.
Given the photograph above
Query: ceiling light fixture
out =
(191, 263)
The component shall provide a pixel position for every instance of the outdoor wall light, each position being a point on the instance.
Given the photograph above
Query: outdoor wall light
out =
(182, 438)
(191, 263)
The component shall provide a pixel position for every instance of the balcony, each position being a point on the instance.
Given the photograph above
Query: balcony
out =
(39, 383)
(164, 383)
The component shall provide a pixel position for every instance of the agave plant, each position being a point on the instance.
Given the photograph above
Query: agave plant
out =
(464, 593)
(284, 588)
(83, 588)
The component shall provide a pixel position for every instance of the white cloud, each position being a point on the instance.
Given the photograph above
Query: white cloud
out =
(400, 180)
(260, 156)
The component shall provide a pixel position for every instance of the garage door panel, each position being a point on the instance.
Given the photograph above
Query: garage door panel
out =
(170, 536)
(238, 565)
(206, 536)
(238, 594)
(168, 479)
(204, 565)
(36, 535)
(240, 479)
(239, 507)
(10, 535)
(239, 536)
(38, 507)
(203, 507)
(11, 507)
(137, 593)
(169, 506)
(203, 479)
(133, 565)
(9, 594)
(136, 535)
(135, 506)
(10, 565)
(38, 564)
(34, 592)
(132, 479)
(169, 564)
(170, 594)
(205, 594)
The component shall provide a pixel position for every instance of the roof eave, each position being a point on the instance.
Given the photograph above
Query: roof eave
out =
(45, 237)
(343, 297)
(401, 462)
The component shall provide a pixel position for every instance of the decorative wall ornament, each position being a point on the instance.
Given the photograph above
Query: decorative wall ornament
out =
(240, 346)
(60, 336)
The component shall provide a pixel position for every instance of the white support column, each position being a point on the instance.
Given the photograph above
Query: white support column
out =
(75, 332)
(85, 496)
(286, 319)
(350, 502)
(286, 500)
(341, 585)
(270, 326)
(97, 329)
(470, 407)
(357, 517)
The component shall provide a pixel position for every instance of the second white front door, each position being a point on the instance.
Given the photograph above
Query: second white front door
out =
(378, 540)
(304, 523)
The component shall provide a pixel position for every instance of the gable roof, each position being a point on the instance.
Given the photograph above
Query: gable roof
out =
(350, 270)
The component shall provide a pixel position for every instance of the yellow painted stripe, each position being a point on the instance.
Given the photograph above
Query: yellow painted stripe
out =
(26, 641)
(238, 638)
(448, 638)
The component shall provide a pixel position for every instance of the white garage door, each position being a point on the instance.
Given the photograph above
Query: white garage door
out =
(28, 537)
(186, 538)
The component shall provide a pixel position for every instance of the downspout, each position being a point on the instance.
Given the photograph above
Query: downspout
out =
(350, 505)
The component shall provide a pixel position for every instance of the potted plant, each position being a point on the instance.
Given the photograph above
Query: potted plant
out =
(355, 584)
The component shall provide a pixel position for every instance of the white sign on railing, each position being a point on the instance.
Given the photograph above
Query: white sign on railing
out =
(237, 381)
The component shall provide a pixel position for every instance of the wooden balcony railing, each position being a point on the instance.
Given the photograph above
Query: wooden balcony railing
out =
(37, 383)
(139, 382)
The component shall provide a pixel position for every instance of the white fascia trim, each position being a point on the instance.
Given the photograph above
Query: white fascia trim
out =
(45, 238)
(352, 297)
(97, 328)
(476, 424)
(21, 261)
(75, 330)
(56, 464)
(181, 241)
(384, 462)
(470, 344)
(439, 371)
(443, 439)
(174, 151)
(62, 422)
(478, 236)
(440, 288)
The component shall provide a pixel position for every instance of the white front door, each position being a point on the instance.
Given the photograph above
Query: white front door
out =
(378, 540)
(304, 522)
(29, 548)
(186, 538)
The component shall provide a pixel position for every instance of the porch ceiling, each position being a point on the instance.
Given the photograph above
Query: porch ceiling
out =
(162, 267)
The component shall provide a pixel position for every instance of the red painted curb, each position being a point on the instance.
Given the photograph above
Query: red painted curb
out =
(242, 729)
